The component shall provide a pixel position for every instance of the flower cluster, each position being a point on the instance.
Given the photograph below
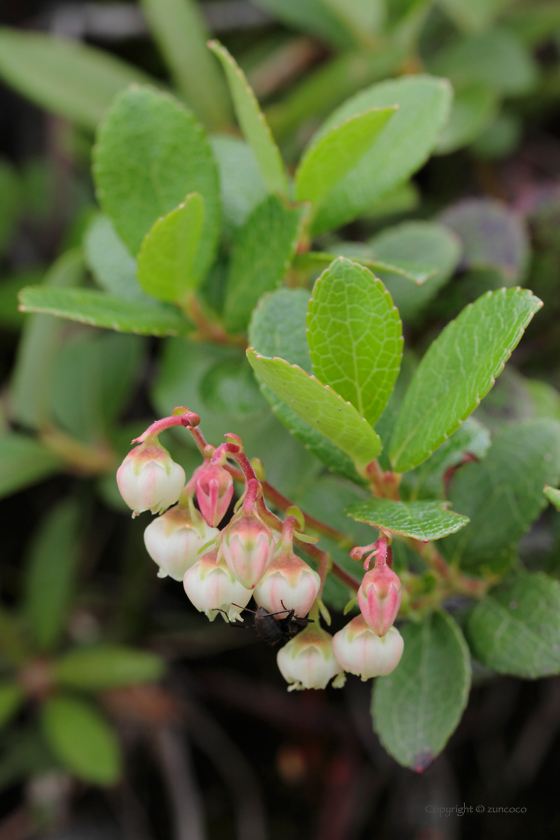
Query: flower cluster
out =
(253, 556)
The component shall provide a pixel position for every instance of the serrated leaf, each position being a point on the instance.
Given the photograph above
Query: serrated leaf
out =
(166, 261)
(82, 739)
(420, 520)
(50, 573)
(472, 439)
(261, 257)
(553, 496)
(492, 235)
(515, 629)
(417, 242)
(110, 262)
(458, 369)
(474, 108)
(39, 346)
(241, 184)
(11, 698)
(355, 336)
(74, 81)
(278, 328)
(320, 407)
(503, 495)
(100, 310)
(150, 154)
(179, 28)
(106, 666)
(326, 161)
(400, 150)
(417, 707)
(253, 123)
(24, 461)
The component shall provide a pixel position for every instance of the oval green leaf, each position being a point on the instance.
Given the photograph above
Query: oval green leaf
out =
(355, 336)
(417, 707)
(458, 370)
(106, 666)
(420, 520)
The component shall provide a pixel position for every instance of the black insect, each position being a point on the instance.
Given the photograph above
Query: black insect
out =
(273, 630)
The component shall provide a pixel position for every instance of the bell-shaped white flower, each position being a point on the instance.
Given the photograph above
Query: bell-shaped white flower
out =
(361, 651)
(213, 589)
(149, 479)
(247, 547)
(308, 660)
(174, 540)
(288, 584)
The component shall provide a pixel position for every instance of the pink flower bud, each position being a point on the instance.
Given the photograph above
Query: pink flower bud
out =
(149, 479)
(173, 540)
(308, 660)
(379, 598)
(361, 651)
(247, 547)
(214, 491)
(288, 583)
(211, 587)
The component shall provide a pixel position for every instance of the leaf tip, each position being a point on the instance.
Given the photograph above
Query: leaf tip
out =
(423, 760)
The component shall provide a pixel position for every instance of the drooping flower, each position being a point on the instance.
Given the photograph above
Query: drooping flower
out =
(247, 547)
(214, 492)
(308, 660)
(361, 651)
(288, 584)
(213, 589)
(379, 598)
(174, 540)
(149, 479)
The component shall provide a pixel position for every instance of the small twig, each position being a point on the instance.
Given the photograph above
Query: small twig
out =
(174, 758)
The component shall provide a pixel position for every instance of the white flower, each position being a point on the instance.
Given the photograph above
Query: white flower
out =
(361, 651)
(288, 583)
(174, 541)
(213, 589)
(308, 660)
(149, 479)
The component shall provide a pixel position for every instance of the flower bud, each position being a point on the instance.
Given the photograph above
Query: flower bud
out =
(288, 583)
(361, 651)
(149, 479)
(247, 547)
(173, 541)
(212, 588)
(214, 491)
(379, 598)
(308, 660)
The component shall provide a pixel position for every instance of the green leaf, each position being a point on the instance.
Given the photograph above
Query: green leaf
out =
(553, 496)
(11, 698)
(363, 18)
(50, 573)
(496, 58)
(101, 310)
(417, 242)
(420, 520)
(94, 378)
(458, 369)
(333, 155)
(242, 187)
(24, 461)
(150, 154)
(253, 124)
(312, 261)
(492, 236)
(418, 707)
(10, 287)
(166, 262)
(503, 495)
(515, 629)
(474, 15)
(39, 346)
(70, 79)
(474, 108)
(321, 407)
(179, 29)
(401, 149)
(82, 739)
(355, 336)
(110, 262)
(312, 16)
(106, 666)
(278, 328)
(500, 138)
(261, 257)
(427, 480)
